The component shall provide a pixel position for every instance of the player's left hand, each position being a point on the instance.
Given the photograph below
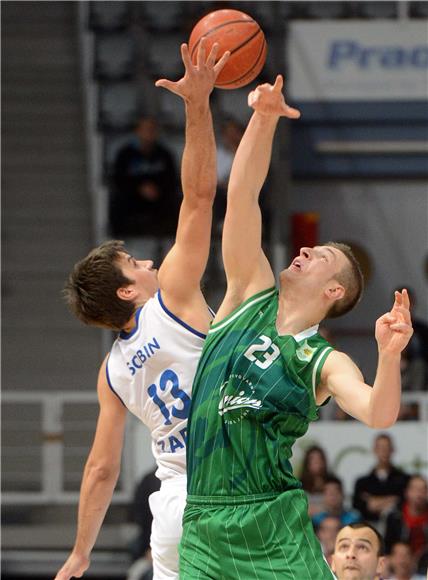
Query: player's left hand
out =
(268, 100)
(199, 79)
(394, 329)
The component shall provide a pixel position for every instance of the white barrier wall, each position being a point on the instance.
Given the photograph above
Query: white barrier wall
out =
(348, 447)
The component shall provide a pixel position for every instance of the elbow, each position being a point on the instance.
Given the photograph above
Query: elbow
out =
(382, 422)
(102, 472)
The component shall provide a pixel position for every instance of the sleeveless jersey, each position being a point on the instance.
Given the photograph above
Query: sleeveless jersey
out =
(253, 396)
(151, 370)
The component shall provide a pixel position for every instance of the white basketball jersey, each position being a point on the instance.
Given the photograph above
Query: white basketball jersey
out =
(151, 370)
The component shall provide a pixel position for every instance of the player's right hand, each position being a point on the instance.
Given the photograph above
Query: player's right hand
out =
(74, 567)
(268, 100)
(199, 79)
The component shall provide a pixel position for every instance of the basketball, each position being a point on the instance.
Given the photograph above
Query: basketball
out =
(237, 32)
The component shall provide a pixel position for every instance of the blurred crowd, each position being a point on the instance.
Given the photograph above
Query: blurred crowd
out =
(386, 503)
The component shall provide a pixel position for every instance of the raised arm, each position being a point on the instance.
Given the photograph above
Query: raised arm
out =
(99, 478)
(181, 272)
(247, 268)
(376, 406)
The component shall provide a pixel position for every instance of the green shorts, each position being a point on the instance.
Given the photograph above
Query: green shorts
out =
(261, 537)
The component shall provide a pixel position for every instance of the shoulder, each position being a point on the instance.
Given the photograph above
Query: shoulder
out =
(340, 363)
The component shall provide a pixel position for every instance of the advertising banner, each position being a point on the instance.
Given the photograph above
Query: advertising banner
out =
(359, 60)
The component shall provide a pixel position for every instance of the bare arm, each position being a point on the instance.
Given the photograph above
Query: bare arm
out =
(376, 406)
(247, 268)
(99, 478)
(182, 270)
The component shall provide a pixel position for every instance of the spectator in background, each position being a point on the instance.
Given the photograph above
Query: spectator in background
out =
(409, 523)
(313, 476)
(358, 553)
(141, 514)
(333, 504)
(402, 564)
(382, 489)
(326, 533)
(415, 363)
(143, 198)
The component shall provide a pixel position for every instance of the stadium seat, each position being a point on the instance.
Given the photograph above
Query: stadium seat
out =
(117, 106)
(162, 16)
(108, 16)
(377, 9)
(114, 56)
(164, 56)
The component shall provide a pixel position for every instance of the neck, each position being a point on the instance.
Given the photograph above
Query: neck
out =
(132, 322)
(294, 315)
(385, 466)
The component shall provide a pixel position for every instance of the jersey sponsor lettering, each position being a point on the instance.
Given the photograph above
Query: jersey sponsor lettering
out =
(142, 355)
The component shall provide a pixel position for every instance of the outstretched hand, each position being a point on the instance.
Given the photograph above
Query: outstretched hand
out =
(199, 79)
(394, 329)
(268, 100)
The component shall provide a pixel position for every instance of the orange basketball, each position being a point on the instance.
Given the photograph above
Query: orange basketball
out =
(239, 33)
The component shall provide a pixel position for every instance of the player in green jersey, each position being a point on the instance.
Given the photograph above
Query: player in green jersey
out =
(263, 373)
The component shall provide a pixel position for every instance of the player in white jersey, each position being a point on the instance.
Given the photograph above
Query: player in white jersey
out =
(162, 319)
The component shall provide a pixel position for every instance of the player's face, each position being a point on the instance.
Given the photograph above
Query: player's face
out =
(141, 272)
(356, 554)
(314, 268)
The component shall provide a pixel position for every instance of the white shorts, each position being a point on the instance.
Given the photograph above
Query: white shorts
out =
(167, 506)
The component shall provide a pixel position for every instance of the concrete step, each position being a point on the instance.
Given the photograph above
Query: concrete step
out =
(53, 162)
(52, 90)
(16, 184)
(50, 358)
(47, 248)
(20, 48)
(53, 12)
(60, 145)
(22, 292)
(40, 109)
(47, 73)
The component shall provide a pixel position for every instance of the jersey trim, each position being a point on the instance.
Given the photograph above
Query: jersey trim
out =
(174, 317)
(315, 369)
(242, 308)
(110, 383)
(127, 335)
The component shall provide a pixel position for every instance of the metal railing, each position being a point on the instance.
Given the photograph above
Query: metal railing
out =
(48, 436)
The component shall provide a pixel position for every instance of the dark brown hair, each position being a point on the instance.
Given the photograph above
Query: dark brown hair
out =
(308, 480)
(91, 288)
(351, 279)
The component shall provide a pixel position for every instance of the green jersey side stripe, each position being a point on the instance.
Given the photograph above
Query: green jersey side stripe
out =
(242, 308)
(315, 369)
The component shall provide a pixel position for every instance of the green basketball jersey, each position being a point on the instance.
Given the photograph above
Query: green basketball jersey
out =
(253, 396)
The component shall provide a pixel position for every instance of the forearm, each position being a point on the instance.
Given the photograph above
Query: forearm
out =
(95, 497)
(251, 164)
(199, 162)
(385, 397)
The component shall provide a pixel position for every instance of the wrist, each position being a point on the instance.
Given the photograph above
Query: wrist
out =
(198, 105)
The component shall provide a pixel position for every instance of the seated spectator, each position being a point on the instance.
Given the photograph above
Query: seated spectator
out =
(402, 563)
(333, 504)
(143, 197)
(326, 533)
(313, 476)
(409, 523)
(381, 490)
(358, 553)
